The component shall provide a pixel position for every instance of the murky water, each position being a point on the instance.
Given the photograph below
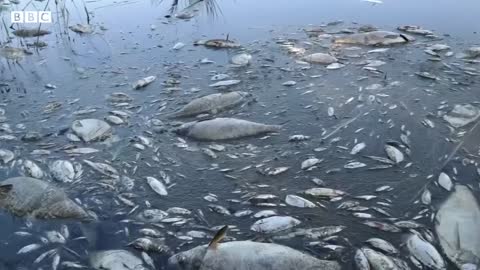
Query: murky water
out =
(134, 39)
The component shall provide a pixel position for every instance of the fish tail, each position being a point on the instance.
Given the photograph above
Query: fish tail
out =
(4, 190)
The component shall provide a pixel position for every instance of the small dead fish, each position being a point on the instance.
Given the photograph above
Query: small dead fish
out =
(354, 165)
(357, 148)
(219, 209)
(157, 186)
(82, 28)
(144, 82)
(29, 248)
(382, 245)
(444, 181)
(324, 192)
(425, 252)
(298, 201)
(309, 163)
(382, 226)
(394, 154)
(361, 260)
(150, 244)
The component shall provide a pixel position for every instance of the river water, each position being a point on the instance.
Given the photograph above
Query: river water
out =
(134, 39)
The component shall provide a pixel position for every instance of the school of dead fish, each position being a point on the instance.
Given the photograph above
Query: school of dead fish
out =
(210, 122)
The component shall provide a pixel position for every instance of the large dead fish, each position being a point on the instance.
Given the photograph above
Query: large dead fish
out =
(218, 43)
(211, 104)
(28, 32)
(224, 129)
(13, 53)
(91, 129)
(245, 255)
(25, 196)
(457, 223)
(374, 38)
(115, 260)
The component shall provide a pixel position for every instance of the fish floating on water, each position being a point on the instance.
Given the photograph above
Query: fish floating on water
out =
(457, 223)
(218, 43)
(245, 255)
(213, 103)
(25, 196)
(224, 129)
(374, 38)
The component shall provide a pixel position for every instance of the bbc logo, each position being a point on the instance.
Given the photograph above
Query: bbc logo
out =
(31, 17)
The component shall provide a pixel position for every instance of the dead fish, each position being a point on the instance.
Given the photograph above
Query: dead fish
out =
(213, 103)
(381, 159)
(157, 186)
(354, 165)
(357, 148)
(298, 201)
(309, 163)
(28, 248)
(152, 215)
(144, 82)
(394, 154)
(91, 129)
(246, 255)
(382, 226)
(425, 252)
(378, 261)
(382, 245)
(462, 115)
(324, 192)
(63, 171)
(444, 181)
(361, 260)
(456, 225)
(413, 29)
(426, 197)
(241, 59)
(115, 260)
(25, 196)
(218, 43)
(320, 58)
(6, 156)
(178, 46)
(32, 169)
(335, 66)
(225, 83)
(298, 138)
(289, 83)
(82, 28)
(103, 168)
(274, 224)
(114, 120)
(150, 244)
(13, 53)
(224, 129)
(219, 209)
(374, 38)
(27, 32)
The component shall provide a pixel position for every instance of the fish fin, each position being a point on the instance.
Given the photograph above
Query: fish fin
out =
(4, 190)
(404, 37)
(218, 237)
